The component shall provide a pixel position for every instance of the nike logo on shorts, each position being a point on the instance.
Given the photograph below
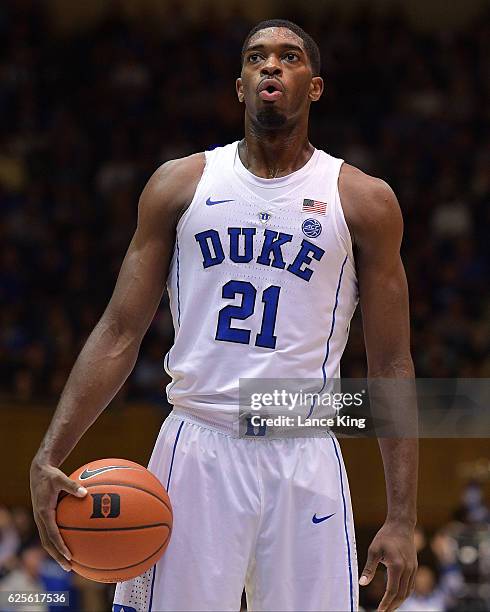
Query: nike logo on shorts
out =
(319, 519)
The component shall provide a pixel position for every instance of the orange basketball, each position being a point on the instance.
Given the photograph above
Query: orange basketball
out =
(121, 527)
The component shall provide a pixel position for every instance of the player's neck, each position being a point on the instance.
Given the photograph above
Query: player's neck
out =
(275, 153)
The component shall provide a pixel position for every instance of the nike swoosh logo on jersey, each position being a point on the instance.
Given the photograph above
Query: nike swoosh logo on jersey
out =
(317, 519)
(86, 474)
(210, 202)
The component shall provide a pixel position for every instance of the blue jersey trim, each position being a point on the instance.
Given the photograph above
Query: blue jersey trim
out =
(330, 335)
(345, 524)
(173, 454)
(168, 485)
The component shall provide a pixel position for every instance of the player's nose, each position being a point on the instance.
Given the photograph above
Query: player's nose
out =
(272, 66)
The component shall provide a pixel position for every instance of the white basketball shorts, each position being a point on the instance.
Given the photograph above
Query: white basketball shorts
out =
(271, 515)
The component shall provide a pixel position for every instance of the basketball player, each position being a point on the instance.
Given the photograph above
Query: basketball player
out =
(265, 245)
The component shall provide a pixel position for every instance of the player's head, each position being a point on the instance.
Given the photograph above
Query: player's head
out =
(280, 74)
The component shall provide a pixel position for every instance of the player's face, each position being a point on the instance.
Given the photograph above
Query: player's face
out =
(276, 82)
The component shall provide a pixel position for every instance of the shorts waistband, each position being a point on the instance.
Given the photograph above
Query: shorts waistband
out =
(233, 430)
(182, 414)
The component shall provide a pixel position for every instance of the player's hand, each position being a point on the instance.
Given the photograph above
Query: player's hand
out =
(394, 547)
(47, 482)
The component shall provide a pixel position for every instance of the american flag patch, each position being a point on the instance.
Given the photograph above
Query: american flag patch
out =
(314, 206)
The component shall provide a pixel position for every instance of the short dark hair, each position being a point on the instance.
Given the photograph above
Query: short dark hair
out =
(311, 47)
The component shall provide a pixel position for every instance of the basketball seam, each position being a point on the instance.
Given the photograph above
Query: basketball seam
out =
(71, 528)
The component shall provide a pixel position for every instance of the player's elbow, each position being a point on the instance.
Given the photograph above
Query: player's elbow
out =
(121, 334)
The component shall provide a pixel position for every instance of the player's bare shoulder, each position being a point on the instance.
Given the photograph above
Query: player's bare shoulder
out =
(369, 204)
(171, 187)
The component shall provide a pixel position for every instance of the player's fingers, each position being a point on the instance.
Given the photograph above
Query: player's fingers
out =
(373, 559)
(54, 536)
(403, 588)
(411, 584)
(49, 547)
(51, 550)
(70, 486)
(395, 570)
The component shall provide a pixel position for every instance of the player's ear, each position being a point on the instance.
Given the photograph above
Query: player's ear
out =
(316, 88)
(239, 90)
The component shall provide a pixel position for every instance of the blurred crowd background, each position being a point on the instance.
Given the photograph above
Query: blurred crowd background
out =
(87, 115)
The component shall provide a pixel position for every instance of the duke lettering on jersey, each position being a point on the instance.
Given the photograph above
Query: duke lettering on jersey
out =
(241, 249)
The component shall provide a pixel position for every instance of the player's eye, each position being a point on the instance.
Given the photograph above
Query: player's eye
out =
(253, 57)
(291, 57)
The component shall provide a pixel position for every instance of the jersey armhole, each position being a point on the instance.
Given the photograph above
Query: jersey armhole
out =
(341, 227)
(205, 172)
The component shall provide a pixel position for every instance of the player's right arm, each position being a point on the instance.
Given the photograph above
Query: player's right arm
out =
(111, 350)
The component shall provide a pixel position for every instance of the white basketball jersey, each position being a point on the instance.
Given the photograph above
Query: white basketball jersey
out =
(262, 282)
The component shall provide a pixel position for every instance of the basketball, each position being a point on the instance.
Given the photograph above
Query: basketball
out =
(121, 527)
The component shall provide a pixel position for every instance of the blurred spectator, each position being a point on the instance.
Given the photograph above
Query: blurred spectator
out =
(26, 577)
(473, 509)
(9, 542)
(36, 571)
(23, 523)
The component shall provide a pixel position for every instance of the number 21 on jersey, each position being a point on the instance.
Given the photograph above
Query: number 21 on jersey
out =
(270, 298)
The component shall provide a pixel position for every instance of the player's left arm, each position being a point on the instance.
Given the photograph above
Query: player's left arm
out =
(376, 225)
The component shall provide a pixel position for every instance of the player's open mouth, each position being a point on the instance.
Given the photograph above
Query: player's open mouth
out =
(270, 90)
